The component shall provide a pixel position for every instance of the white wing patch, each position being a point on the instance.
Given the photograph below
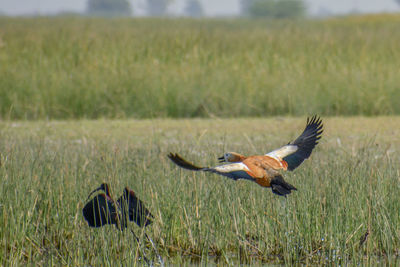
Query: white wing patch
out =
(282, 152)
(234, 171)
(239, 166)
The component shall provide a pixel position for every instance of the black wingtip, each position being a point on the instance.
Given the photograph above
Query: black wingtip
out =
(314, 127)
(315, 120)
(305, 142)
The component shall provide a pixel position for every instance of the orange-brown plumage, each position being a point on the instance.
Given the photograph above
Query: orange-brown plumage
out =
(263, 169)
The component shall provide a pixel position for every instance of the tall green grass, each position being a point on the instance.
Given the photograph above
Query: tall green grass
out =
(62, 68)
(349, 185)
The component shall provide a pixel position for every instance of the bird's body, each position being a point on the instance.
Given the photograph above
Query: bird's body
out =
(263, 169)
(100, 211)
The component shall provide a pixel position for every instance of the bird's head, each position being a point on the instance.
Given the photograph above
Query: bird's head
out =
(105, 187)
(231, 157)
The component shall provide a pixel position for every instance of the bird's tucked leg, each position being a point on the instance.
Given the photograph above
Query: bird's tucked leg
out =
(280, 187)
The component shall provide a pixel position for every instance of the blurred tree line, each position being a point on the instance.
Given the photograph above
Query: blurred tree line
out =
(109, 8)
(194, 8)
(273, 8)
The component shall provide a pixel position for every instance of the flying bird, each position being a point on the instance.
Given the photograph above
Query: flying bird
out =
(102, 209)
(263, 169)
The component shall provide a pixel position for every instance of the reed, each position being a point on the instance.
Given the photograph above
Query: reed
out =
(349, 186)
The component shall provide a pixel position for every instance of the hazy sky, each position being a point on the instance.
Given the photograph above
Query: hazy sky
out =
(211, 7)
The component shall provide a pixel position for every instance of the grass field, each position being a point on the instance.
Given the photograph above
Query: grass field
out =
(63, 68)
(348, 187)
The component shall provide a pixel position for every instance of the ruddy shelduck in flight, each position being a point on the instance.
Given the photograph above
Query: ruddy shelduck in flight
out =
(263, 169)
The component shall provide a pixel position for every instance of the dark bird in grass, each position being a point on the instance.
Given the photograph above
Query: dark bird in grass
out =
(263, 169)
(102, 209)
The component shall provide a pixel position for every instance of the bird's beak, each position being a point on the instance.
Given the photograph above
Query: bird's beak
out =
(94, 191)
(221, 159)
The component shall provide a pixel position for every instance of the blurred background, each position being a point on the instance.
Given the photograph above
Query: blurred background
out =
(198, 58)
(208, 8)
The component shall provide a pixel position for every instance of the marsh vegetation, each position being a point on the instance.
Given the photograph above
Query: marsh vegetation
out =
(349, 186)
(68, 68)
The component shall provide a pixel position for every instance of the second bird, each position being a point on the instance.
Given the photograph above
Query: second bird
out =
(102, 209)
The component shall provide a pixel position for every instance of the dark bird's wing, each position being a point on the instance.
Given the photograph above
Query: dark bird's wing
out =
(100, 211)
(134, 208)
(300, 149)
(235, 171)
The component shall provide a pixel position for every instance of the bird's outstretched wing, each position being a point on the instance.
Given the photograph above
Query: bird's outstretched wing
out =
(300, 149)
(134, 209)
(233, 171)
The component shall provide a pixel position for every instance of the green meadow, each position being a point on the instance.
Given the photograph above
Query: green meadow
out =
(71, 67)
(90, 100)
(349, 187)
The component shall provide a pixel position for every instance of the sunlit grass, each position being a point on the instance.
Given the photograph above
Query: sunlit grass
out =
(348, 186)
(144, 68)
